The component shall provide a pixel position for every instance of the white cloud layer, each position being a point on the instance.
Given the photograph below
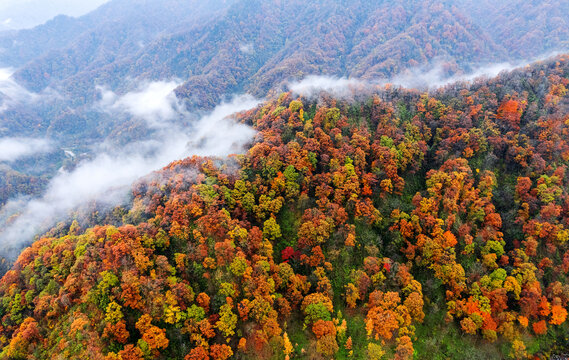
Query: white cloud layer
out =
(13, 148)
(153, 102)
(429, 76)
(436, 76)
(313, 85)
(247, 48)
(11, 92)
(107, 178)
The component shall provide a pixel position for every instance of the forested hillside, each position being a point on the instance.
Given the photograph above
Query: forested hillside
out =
(526, 28)
(407, 225)
(116, 30)
(259, 45)
(228, 46)
(216, 48)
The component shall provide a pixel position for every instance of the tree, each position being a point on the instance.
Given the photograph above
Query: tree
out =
(153, 336)
(220, 352)
(352, 295)
(374, 351)
(558, 315)
(271, 230)
(131, 352)
(227, 321)
(540, 327)
(287, 346)
(198, 353)
(317, 306)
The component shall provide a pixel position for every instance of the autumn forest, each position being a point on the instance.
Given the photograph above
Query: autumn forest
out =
(245, 179)
(400, 225)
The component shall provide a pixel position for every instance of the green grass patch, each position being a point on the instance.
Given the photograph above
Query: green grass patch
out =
(438, 340)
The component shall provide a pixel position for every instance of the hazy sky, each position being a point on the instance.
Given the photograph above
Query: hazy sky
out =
(18, 14)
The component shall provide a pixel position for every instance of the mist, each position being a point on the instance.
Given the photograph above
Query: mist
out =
(436, 75)
(11, 92)
(247, 48)
(15, 148)
(154, 102)
(107, 178)
(313, 85)
(425, 77)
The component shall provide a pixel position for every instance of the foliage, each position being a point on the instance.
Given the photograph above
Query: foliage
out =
(318, 241)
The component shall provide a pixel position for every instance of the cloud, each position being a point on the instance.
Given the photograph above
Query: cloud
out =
(436, 75)
(429, 76)
(153, 102)
(247, 48)
(422, 77)
(107, 178)
(11, 92)
(313, 85)
(217, 134)
(14, 148)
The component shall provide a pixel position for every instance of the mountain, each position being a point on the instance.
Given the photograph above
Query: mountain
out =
(70, 46)
(362, 220)
(256, 46)
(69, 49)
(17, 48)
(218, 48)
(404, 225)
(115, 31)
(527, 29)
(212, 49)
(112, 31)
(72, 75)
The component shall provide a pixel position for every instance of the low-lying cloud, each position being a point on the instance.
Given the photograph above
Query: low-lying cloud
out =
(14, 148)
(107, 178)
(153, 102)
(11, 92)
(313, 85)
(247, 48)
(424, 77)
(436, 76)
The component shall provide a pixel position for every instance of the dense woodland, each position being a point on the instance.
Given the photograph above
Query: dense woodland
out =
(220, 47)
(406, 225)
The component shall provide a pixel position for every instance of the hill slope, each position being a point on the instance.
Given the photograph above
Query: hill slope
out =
(385, 217)
(115, 30)
(527, 29)
(257, 46)
(211, 49)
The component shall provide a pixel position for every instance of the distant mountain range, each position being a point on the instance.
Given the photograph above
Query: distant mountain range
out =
(221, 47)
(525, 29)
(216, 48)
